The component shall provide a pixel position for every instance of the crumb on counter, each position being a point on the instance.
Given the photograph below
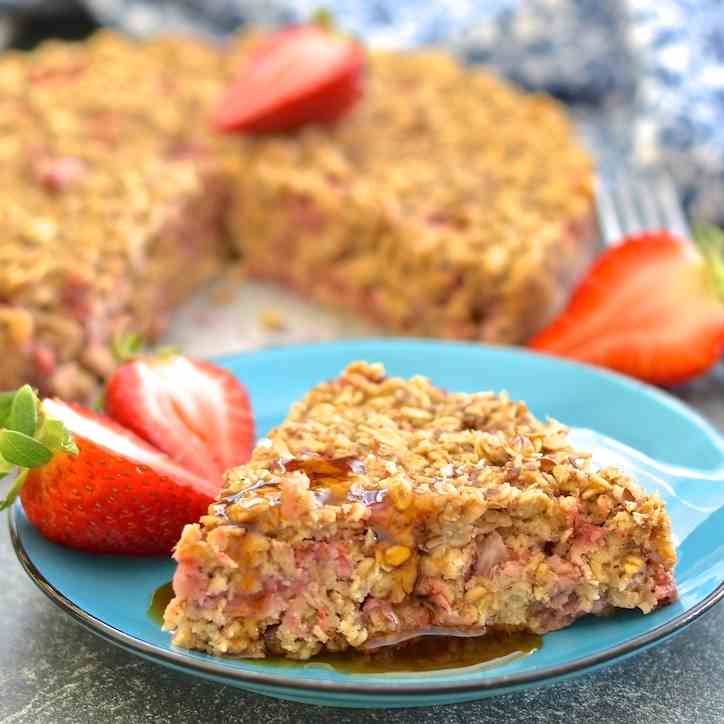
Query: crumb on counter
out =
(271, 320)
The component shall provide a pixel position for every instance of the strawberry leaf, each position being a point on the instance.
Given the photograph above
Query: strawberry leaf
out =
(14, 489)
(127, 346)
(56, 438)
(23, 450)
(23, 415)
(28, 438)
(6, 403)
(166, 351)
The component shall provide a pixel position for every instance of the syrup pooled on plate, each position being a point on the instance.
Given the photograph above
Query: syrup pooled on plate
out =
(161, 598)
(427, 653)
(431, 653)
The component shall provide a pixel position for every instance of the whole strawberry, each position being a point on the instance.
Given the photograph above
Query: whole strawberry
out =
(651, 307)
(88, 483)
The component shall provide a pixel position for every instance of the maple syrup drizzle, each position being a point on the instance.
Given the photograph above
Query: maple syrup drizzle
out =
(427, 653)
(329, 479)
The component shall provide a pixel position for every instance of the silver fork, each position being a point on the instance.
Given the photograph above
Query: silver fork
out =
(632, 201)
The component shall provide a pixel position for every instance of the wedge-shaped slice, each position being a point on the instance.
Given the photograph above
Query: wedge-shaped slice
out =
(384, 509)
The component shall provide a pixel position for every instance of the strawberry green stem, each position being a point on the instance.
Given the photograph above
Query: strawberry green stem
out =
(14, 491)
(28, 438)
(324, 18)
(710, 240)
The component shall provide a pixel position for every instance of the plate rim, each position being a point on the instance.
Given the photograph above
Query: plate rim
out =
(183, 661)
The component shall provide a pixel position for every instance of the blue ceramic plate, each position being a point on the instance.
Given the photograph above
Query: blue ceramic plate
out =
(110, 596)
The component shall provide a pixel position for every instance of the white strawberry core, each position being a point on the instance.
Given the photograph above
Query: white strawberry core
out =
(315, 53)
(199, 400)
(98, 433)
(124, 444)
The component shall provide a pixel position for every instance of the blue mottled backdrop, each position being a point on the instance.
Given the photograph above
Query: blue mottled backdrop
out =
(645, 77)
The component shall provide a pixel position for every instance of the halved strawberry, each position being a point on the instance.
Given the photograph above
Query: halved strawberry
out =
(651, 307)
(199, 414)
(116, 495)
(304, 74)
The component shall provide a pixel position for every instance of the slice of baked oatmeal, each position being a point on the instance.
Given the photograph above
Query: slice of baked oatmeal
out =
(382, 509)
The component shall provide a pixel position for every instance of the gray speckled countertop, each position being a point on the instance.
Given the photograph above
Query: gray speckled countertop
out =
(53, 671)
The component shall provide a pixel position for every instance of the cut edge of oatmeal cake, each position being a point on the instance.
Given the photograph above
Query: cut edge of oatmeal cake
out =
(383, 509)
(113, 208)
